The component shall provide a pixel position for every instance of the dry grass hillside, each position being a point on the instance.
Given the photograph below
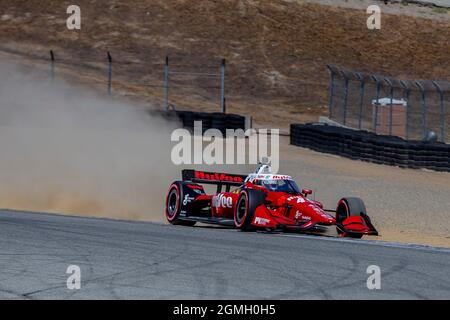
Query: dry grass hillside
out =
(276, 51)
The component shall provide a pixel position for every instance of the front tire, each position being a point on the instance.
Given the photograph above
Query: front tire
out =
(173, 205)
(348, 207)
(246, 205)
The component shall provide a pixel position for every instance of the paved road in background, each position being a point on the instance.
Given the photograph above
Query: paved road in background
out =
(442, 3)
(439, 3)
(124, 260)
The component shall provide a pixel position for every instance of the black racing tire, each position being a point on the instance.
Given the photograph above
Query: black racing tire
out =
(174, 203)
(347, 207)
(246, 205)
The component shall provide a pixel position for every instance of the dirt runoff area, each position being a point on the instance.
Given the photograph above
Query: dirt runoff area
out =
(405, 205)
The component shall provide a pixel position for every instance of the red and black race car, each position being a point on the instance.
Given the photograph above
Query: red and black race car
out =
(261, 200)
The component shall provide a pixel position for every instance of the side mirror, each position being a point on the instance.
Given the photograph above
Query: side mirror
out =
(306, 192)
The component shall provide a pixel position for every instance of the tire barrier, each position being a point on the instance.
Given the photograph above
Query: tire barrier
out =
(213, 120)
(367, 146)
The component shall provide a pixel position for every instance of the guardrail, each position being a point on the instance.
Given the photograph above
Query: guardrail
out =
(367, 146)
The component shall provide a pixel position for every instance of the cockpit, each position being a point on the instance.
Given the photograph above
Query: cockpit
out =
(278, 185)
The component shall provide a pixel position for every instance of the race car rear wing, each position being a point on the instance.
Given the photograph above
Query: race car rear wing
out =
(216, 178)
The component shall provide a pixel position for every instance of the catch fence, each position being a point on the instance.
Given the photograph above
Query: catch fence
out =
(411, 109)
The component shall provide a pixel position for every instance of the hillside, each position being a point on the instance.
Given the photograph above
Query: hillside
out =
(276, 51)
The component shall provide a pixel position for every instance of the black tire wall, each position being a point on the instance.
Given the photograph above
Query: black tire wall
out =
(214, 120)
(367, 146)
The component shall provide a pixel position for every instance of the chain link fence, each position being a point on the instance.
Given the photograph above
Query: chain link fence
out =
(410, 109)
(167, 84)
(212, 79)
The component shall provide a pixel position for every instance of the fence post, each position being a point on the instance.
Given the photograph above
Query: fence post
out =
(424, 108)
(345, 96)
(361, 100)
(224, 105)
(52, 65)
(442, 110)
(375, 116)
(222, 86)
(408, 91)
(109, 72)
(166, 84)
(330, 103)
(391, 94)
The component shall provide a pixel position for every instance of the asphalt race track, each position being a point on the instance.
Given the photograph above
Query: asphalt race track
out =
(142, 260)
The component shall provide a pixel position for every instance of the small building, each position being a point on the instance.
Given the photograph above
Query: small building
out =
(390, 115)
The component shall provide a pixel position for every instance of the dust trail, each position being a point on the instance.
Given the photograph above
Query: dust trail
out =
(64, 149)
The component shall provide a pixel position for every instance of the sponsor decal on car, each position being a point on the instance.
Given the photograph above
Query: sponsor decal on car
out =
(261, 221)
(277, 177)
(299, 199)
(217, 176)
(221, 200)
(252, 177)
(187, 199)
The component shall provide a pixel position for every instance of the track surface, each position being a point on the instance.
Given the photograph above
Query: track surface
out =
(124, 260)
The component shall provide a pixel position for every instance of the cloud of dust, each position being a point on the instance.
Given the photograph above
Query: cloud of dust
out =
(69, 150)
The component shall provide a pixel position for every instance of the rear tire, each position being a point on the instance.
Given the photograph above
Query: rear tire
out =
(173, 205)
(348, 207)
(246, 205)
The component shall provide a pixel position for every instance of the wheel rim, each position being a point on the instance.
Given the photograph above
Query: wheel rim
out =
(241, 209)
(342, 212)
(172, 203)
